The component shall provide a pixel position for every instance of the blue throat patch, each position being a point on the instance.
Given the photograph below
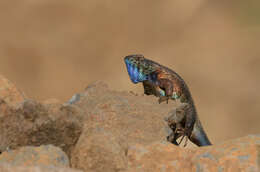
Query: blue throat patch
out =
(136, 75)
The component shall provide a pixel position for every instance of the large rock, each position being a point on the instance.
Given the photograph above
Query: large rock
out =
(35, 156)
(114, 121)
(126, 132)
(33, 123)
(11, 168)
(241, 154)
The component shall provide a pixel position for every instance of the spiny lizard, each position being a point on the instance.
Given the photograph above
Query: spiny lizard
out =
(166, 84)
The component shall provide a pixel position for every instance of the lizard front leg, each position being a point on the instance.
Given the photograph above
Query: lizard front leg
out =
(150, 88)
(167, 86)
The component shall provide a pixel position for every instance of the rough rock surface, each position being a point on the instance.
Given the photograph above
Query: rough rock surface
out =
(32, 123)
(11, 168)
(235, 155)
(114, 121)
(30, 156)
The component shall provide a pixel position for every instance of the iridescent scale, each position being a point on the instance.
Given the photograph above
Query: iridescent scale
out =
(136, 75)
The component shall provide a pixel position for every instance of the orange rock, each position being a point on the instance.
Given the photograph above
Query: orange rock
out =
(33, 123)
(105, 130)
(236, 155)
(155, 157)
(99, 152)
(33, 156)
(12, 168)
(113, 121)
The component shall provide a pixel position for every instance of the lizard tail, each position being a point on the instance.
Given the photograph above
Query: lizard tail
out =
(199, 136)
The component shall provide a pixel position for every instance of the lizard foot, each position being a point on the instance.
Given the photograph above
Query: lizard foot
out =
(163, 98)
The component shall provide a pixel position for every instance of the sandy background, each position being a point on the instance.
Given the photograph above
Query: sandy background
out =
(53, 49)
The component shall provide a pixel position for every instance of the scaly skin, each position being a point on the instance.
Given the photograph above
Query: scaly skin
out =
(166, 84)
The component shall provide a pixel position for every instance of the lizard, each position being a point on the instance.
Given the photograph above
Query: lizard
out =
(162, 82)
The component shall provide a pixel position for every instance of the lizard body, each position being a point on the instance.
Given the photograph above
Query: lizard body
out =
(166, 84)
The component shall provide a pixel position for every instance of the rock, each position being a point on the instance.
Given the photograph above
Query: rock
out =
(11, 168)
(113, 121)
(236, 155)
(32, 123)
(160, 156)
(105, 130)
(99, 151)
(9, 93)
(34, 156)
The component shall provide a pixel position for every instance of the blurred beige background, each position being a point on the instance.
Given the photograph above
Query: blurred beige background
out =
(53, 49)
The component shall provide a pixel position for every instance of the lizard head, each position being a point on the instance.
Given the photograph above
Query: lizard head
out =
(138, 67)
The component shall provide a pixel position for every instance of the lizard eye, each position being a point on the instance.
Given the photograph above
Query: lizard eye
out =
(132, 61)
